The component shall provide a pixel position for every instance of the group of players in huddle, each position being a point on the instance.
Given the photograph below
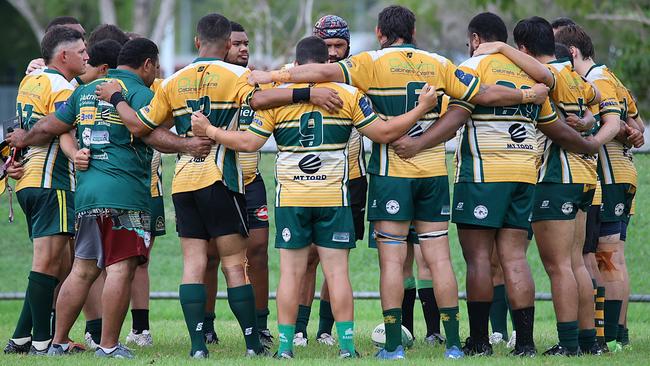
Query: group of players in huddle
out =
(543, 149)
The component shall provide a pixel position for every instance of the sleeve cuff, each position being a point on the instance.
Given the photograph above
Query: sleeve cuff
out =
(145, 121)
(366, 122)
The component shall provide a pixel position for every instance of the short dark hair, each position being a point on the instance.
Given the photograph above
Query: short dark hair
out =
(213, 28)
(489, 27)
(311, 50)
(54, 37)
(396, 22)
(136, 51)
(575, 36)
(107, 31)
(562, 51)
(63, 20)
(236, 27)
(562, 22)
(104, 52)
(536, 34)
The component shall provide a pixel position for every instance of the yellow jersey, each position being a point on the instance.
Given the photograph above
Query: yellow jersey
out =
(570, 94)
(392, 78)
(217, 89)
(498, 144)
(312, 165)
(46, 166)
(615, 163)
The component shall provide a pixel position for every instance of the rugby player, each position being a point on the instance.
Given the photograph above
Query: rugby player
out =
(492, 203)
(616, 171)
(312, 203)
(46, 189)
(416, 190)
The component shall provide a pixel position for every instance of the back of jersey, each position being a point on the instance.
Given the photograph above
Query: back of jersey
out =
(218, 90)
(46, 166)
(499, 144)
(393, 78)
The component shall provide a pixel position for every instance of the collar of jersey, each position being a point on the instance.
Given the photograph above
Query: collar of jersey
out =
(203, 59)
(560, 60)
(593, 67)
(403, 45)
(52, 71)
(121, 74)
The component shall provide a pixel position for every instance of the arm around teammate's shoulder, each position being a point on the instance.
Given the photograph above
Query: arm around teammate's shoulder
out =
(235, 140)
(570, 140)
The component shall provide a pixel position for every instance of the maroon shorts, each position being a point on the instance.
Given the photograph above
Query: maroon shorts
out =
(111, 236)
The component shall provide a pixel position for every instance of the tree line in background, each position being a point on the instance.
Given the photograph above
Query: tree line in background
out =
(619, 28)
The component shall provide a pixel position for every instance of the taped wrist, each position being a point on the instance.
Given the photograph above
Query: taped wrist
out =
(387, 238)
(280, 76)
(116, 98)
(432, 235)
(528, 96)
(301, 95)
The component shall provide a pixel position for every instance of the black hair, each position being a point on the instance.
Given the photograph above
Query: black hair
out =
(107, 31)
(236, 27)
(489, 27)
(213, 28)
(63, 20)
(57, 35)
(536, 34)
(136, 51)
(104, 53)
(562, 22)
(575, 36)
(562, 52)
(396, 22)
(311, 50)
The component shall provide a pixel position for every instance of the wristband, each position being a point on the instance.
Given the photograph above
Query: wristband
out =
(301, 95)
(280, 76)
(528, 96)
(116, 98)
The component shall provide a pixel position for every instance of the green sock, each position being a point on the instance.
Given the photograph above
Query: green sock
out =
(192, 298)
(262, 316)
(24, 325)
(450, 318)
(325, 318)
(94, 327)
(303, 319)
(409, 283)
(499, 311)
(242, 303)
(612, 313)
(41, 295)
(208, 322)
(345, 333)
(567, 332)
(285, 337)
(586, 338)
(393, 328)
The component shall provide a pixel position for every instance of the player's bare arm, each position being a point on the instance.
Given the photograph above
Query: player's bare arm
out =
(583, 124)
(325, 98)
(610, 127)
(568, 138)
(387, 131)
(444, 129)
(106, 91)
(43, 131)
(235, 140)
(502, 96)
(68, 144)
(168, 142)
(315, 73)
(529, 64)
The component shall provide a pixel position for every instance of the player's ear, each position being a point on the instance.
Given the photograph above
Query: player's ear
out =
(413, 34)
(197, 42)
(378, 34)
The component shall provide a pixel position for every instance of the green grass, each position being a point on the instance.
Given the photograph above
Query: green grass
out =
(169, 330)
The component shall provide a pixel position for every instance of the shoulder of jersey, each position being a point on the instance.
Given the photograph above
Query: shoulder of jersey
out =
(375, 55)
(473, 62)
(597, 73)
(57, 81)
(235, 69)
(559, 66)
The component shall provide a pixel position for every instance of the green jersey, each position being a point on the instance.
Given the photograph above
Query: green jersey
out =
(119, 173)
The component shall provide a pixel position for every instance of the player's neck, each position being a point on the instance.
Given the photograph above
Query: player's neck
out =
(67, 74)
(583, 66)
(545, 59)
(212, 52)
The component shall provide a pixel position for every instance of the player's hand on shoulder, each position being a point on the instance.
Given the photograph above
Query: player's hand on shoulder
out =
(405, 147)
(489, 48)
(200, 124)
(105, 90)
(82, 159)
(259, 77)
(428, 98)
(541, 93)
(35, 64)
(326, 98)
(199, 147)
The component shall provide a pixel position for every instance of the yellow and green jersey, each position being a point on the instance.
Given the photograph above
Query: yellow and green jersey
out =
(393, 78)
(46, 166)
(312, 165)
(248, 160)
(217, 89)
(570, 94)
(498, 144)
(615, 163)
(156, 174)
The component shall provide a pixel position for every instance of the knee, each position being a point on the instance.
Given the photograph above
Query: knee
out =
(258, 255)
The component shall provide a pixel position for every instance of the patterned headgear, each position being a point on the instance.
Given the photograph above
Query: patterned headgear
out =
(332, 26)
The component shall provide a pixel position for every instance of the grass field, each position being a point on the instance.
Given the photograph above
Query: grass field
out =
(170, 336)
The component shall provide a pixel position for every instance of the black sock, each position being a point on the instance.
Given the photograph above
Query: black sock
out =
(94, 327)
(430, 310)
(140, 319)
(479, 314)
(408, 302)
(524, 320)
